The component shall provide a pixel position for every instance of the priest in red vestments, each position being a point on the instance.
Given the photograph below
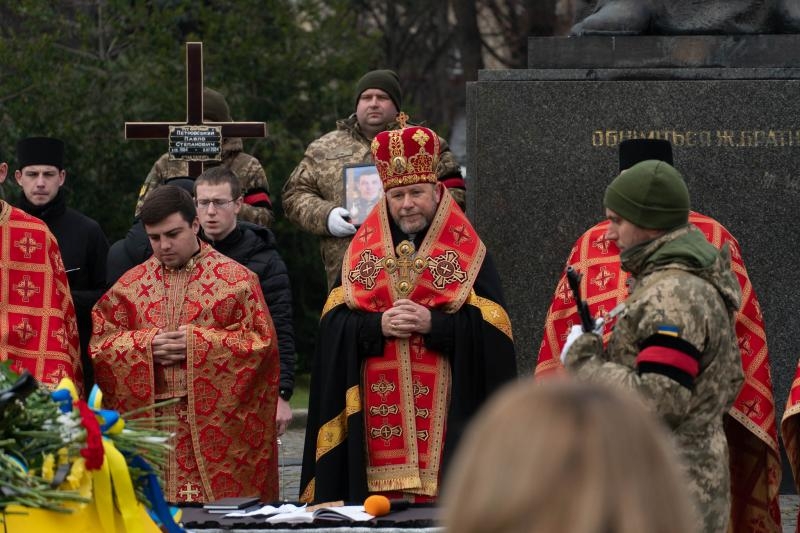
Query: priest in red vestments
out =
(412, 340)
(750, 427)
(190, 323)
(38, 331)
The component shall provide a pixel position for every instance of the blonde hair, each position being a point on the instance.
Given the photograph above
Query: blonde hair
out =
(562, 456)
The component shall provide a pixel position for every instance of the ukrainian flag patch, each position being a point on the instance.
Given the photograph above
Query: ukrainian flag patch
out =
(666, 329)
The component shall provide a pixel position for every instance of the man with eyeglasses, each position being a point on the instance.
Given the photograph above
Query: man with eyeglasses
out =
(218, 196)
(191, 325)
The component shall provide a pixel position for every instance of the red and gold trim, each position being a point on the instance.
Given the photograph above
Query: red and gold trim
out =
(492, 312)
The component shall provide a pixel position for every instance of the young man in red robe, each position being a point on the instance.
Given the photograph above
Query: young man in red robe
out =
(750, 427)
(190, 323)
(38, 329)
(412, 340)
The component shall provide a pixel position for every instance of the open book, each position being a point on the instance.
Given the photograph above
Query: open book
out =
(340, 513)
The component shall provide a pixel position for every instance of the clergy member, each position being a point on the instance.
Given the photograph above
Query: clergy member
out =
(412, 340)
(38, 329)
(190, 323)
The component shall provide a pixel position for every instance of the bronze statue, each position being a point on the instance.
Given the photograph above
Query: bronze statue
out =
(690, 17)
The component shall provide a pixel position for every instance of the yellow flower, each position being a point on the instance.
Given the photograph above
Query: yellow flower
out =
(47, 467)
(63, 456)
(76, 473)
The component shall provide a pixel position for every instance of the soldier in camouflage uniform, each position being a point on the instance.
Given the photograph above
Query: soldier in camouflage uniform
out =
(257, 207)
(314, 194)
(674, 343)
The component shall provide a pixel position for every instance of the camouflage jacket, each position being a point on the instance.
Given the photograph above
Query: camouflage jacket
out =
(316, 186)
(256, 207)
(684, 288)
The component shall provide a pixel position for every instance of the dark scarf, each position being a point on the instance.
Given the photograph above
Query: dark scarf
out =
(47, 212)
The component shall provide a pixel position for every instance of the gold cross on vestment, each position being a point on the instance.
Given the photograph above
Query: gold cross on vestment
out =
(404, 265)
(27, 289)
(27, 244)
(190, 491)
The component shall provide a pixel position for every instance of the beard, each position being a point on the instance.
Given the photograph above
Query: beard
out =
(412, 225)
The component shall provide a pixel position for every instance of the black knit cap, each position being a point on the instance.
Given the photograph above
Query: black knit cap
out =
(632, 151)
(40, 151)
(215, 108)
(385, 80)
(184, 182)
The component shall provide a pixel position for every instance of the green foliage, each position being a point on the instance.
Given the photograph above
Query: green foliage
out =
(79, 70)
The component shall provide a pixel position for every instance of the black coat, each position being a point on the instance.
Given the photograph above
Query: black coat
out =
(83, 248)
(126, 253)
(254, 246)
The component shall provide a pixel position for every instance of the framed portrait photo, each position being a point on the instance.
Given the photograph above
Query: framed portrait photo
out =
(363, 189)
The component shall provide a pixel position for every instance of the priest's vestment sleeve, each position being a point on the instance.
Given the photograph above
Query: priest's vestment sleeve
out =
(38, 329)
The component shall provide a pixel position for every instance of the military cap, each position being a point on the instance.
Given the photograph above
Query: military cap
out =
(385, 80)
(650, 194)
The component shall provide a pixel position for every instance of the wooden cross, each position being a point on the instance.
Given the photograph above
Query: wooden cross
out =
(194, 112)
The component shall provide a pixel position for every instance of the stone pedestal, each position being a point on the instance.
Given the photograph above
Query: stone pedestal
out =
(542, 146)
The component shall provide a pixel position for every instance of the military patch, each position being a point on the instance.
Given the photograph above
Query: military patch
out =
(665, 329)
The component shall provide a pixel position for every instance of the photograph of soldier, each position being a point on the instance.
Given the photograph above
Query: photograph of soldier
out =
(363, 189)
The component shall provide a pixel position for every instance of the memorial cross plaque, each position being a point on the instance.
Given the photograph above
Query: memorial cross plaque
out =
(194, 140)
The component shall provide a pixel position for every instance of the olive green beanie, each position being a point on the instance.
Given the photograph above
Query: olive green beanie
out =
(215, 108)
(385, 80)
(650, 194)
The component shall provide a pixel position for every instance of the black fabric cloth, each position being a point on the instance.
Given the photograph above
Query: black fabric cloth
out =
(255, 247)
(134, 249)
(482, 359)
(84, 248)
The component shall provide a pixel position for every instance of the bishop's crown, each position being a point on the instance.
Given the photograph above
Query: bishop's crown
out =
(406, 156)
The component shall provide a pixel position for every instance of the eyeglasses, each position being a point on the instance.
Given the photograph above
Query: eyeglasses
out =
(218, 204)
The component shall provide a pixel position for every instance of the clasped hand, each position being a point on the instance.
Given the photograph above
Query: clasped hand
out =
(406, 318)
(169, 347)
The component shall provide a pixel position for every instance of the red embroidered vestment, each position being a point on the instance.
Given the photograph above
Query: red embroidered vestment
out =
(225, 442)
(38, 331)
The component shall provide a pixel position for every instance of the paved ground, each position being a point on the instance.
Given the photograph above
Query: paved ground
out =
(290, 457)
(291, 454)
(789, 507)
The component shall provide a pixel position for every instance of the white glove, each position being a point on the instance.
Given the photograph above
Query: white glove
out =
(339, 224)
(574, 333)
